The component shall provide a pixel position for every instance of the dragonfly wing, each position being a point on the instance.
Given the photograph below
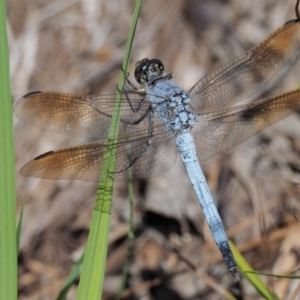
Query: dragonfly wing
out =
(72, 114)
(243, 76)
(228, 127)
(85, 162)
(149, 158)
(81, 162)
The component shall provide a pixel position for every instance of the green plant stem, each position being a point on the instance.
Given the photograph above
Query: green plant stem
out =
(92, 278)
(8, 240)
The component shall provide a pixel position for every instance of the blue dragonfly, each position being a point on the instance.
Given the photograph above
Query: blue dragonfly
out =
(161, 120)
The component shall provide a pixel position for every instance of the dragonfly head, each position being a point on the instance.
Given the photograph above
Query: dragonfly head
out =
(144, 69)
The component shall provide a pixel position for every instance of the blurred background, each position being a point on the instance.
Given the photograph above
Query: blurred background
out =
(77, 46)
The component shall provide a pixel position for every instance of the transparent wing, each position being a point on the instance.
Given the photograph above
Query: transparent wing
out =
(228, 127)
(246, 74)
(72, 114)
(85, 162)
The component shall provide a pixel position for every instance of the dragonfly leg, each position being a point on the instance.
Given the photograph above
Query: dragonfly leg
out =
(141, 92)
(135, 122)
(148, 143)
(138, 107)
(134, 89)
(126, 75)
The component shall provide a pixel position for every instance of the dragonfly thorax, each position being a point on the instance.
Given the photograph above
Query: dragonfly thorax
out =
(171, 104)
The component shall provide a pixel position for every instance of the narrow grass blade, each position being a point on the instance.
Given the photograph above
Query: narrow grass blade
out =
(274, 275)
(73, 276)
(19, 227)
(92, 278)
(257, 283)
(8, 241)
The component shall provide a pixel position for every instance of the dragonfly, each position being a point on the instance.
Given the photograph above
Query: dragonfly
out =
(162, 119)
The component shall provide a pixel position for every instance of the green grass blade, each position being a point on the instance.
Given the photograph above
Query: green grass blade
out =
(274, 275)
(8, 241)
(73, 276)
(92, 278)
(19, 227)
(257, 283)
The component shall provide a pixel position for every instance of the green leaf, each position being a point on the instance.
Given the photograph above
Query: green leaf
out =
(8, 241)
(93, 271)
(256, 282)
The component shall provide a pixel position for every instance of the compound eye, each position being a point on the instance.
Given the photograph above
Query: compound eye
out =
(158, 66)
(141, 68)
(141, 61)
